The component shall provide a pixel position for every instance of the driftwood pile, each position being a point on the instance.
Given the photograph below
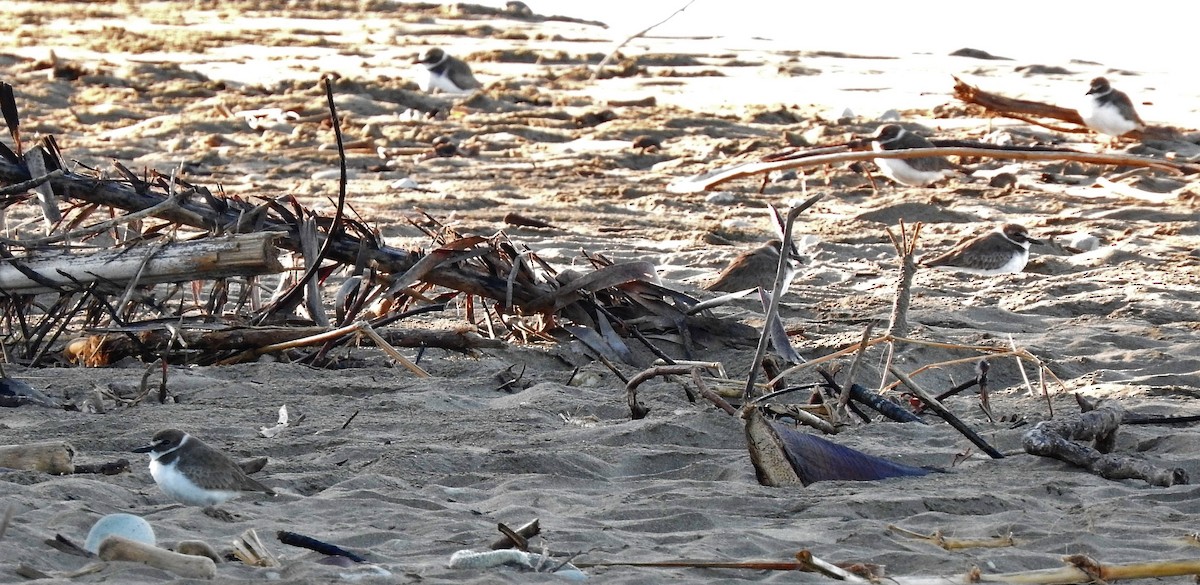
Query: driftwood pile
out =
(179, 274)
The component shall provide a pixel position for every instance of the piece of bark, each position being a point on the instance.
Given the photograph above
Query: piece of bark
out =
(53, 457)
(526, 531)
(1056, 439)
(210, 258)
(116, 548)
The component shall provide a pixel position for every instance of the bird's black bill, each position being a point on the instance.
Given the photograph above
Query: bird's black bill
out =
(145, 449)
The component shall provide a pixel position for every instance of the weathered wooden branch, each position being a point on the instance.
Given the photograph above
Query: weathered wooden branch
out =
(708, 181)
(946, 415)
(1056, 438)
(54, 457)
(106, 348)
(212, 213)
(1012, 107)
(1030, 111)
(210, 258)
(117, 548)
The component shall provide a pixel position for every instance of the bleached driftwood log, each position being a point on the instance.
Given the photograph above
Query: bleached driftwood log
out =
(1056, 439)
(240, 255)
(227, 215)
(54, 457)
(116, 548)
(105, 348)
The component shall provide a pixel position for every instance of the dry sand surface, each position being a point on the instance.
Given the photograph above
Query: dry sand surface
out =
(428, 467)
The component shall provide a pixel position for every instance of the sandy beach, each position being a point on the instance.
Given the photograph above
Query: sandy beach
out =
(405, 471)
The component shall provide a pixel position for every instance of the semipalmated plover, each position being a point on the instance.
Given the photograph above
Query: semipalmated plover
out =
(756, 268)
(1109, 111)
(1000, 251)
(445, 73)
(914, 172)
(193, 473)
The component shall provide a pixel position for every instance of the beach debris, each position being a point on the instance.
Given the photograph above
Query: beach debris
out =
(804, 561)
(204, 344)
(1058, 439)
(128, 526)
(310, 543)
(14, 392)
(843, 154)
(517, 538)
(785, 457)
(1035, 113)
(872, 400)
(119, 548)
(119, 269)
(249, 549)
(638, 411)
(198, 548)
(785, 225)
(1080, 569)
(53, 457)
(283, 423)
(7, 518)
(613, 53)
(526, 291)
(516, 559)
(510, 379)
(30, 572)
(517, 219)
(937, 538)
(933, 404)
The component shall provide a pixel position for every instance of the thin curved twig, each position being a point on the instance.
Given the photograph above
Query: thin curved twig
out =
(611, 54)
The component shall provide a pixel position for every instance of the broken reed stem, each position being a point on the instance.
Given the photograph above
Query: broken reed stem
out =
(932, 402)
(844, 397)
(804, 561)
(773, 307)
(288, 299)
(333, 335)
(387, 348)
(939, 539)
(992, 351)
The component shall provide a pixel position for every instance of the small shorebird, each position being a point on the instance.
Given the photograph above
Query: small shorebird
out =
(1109, 111)
(193, 473)
(445, 73)
(755, 268)
(914, 172)
(1000, 251)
